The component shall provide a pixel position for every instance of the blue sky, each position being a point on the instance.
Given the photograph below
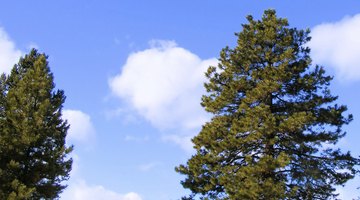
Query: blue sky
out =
(132, 72)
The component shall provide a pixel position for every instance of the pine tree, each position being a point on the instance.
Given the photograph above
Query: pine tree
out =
(33, 156)
(275, 123)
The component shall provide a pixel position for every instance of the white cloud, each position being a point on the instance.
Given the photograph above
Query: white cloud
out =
(164, 84)
(82, 191)
(337, 45)
(9, 55)
(81, 127)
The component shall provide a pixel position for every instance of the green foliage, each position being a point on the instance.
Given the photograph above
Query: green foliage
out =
(33, 155)
(274, 120)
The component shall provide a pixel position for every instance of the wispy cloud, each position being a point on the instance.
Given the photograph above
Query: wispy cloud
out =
(82, 191)
(79, 189)
(148, 166)
(133, 138)
(184, 141)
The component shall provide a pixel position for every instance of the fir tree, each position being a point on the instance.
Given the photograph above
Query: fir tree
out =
(273, 113)
(33, 156)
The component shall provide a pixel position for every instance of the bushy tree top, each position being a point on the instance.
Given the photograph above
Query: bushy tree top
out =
(33, 156)
(274, 121)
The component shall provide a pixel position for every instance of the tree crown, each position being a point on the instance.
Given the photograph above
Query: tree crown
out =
(272, 112)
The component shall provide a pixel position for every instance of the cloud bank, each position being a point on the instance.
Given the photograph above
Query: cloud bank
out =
(337, 45)
(9, 54)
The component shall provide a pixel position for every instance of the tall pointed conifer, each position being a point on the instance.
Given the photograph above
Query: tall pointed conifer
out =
(274, 120)
(33, 156)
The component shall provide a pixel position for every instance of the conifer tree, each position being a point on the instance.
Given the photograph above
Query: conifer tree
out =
(34, 159)
(275, 123)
